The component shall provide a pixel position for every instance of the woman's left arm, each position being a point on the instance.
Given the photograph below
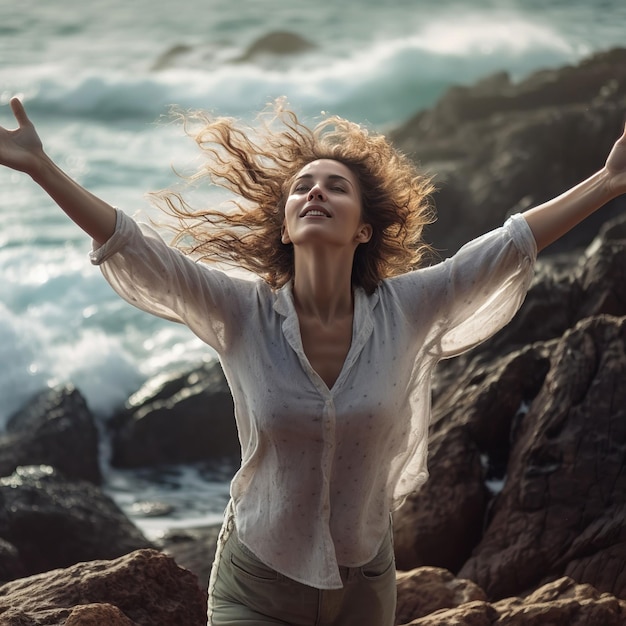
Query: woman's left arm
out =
(554, 218)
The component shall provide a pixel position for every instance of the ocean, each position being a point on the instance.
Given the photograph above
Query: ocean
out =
(98, 80)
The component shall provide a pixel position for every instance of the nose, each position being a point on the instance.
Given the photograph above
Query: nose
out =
(315, 193)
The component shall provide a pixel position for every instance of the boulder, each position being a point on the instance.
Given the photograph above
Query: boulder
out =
(49, 522)
(276, 44)
(143, 588)
(476, 613)
(441, 523)
(562, 603)
(562, 510)
(54, 428)
(425, 590)
(447, 600)
(168, 59)
(484, 400)
(178, 418)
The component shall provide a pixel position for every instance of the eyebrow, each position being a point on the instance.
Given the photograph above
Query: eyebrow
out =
(329, 177)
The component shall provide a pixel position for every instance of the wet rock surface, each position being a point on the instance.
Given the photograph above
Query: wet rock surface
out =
(180, 418)
(55, 428)
(48, 522)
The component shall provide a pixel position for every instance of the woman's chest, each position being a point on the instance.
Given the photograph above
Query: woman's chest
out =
(286, 378)
(326, 346)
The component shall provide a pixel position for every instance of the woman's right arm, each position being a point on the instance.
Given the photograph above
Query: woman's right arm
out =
(22, 150)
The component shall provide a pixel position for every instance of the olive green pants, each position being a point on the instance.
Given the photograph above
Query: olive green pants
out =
(244, 591)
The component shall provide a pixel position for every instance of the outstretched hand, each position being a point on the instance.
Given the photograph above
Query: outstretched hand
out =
(21, 148)
(616, 165)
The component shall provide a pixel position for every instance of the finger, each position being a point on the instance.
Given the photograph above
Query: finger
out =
(19, 111)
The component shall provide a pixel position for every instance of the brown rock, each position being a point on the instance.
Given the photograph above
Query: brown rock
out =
(562, 603)
(480, 403)
(562, 508)
(97, 615)
(602, 277)
(144, 588)
(427, 589)
(471, 614)
(472, 420)
(441, 523)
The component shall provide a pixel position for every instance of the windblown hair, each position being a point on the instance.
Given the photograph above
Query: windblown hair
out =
(258, 165)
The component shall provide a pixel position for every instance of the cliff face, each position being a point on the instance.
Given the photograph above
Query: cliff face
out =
(523, 518)
(499, 147)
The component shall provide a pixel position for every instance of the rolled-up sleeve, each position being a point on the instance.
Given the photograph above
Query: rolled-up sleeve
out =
(159, 279)
(473, 294)
(488, 280)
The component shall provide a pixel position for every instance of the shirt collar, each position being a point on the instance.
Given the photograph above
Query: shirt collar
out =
(362, 327)
(363, 304)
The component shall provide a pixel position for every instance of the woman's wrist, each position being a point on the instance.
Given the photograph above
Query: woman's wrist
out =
(614, 183)
(43, 169)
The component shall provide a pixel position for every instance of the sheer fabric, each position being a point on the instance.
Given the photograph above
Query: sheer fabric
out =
(322, 468)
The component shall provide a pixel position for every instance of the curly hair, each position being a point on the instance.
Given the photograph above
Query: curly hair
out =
(258, 165)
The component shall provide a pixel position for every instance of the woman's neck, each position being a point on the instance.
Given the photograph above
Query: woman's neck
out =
(323, 286)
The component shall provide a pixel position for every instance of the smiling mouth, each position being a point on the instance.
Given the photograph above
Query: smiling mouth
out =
(315, 212)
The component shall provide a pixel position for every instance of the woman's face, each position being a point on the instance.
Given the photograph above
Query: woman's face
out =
(324, 206)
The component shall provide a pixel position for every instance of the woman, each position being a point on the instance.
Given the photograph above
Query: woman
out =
(329, 352)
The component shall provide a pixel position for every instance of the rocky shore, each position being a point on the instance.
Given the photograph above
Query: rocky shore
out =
(523, 519)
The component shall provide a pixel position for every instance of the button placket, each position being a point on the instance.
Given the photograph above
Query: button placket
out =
(329, 436)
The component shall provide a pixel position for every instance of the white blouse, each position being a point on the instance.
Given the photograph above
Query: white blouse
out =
(322, 468)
